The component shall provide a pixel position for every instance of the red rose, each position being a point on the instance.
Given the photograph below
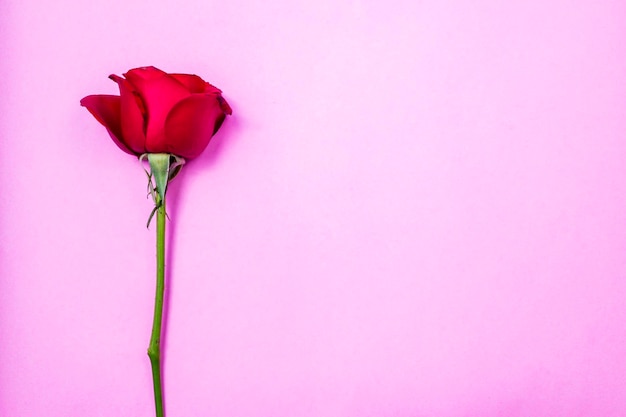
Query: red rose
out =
(157, 112)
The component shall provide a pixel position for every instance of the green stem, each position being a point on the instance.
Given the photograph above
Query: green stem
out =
(154, 349)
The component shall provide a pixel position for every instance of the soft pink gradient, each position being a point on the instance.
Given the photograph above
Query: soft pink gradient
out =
(417, 209)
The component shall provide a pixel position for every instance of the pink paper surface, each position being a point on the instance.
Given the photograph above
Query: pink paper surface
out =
(417, 209)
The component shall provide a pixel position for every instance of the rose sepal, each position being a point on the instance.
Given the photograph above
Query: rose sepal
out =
(163, 168)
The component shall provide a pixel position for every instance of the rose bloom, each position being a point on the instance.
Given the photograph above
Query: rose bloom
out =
(157, 112)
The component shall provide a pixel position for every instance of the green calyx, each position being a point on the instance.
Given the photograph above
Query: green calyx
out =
(163, 168)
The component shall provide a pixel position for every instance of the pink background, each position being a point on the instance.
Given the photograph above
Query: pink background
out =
(417, 209)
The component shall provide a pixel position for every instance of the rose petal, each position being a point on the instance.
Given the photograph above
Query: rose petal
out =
(224, 105)
(191, 124)
(145, 73)
(106, 110)
(193, 83)
(159, 92)
(133, 116)
(211, 89)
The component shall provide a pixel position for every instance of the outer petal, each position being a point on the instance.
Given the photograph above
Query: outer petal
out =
(211, 89)
(106, 110)
(191, 124)
(193, 83)
(132, 116)
(224, 105)
(159, 92)
(146, 73)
